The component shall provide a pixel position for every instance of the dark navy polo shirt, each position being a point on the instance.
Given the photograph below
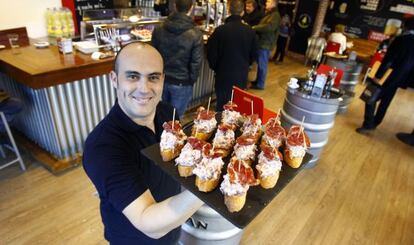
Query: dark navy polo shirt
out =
(113, 162)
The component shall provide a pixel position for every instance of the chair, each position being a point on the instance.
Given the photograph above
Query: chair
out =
(332, 47)
(378, 56)
(371, 71)
(244, 101)
(325, 69)
(21, 31)
(12, 147)
(314, 52)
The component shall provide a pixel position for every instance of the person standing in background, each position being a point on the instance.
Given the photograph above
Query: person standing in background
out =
(339, 37)
(284, 30)
(181, 46)
(400, 58)
(231, 49)
(267, 31)
(253, 13)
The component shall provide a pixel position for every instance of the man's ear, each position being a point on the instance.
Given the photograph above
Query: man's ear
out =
(114, 79)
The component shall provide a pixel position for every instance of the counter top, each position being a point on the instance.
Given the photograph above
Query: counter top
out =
(41, 68)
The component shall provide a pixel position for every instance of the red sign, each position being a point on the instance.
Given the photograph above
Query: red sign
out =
(376, 36)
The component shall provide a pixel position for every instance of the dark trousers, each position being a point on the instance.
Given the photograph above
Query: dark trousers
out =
(373, 116)
(223, 95)
(280, 48)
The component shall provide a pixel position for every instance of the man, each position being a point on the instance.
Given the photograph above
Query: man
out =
(339, 37)
(253, 13)
(231, 49)
(139, 203)
(267, 31)
(181, 46)
(399, 57)
(284, 30)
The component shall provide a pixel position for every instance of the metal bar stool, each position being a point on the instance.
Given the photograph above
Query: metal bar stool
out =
(12, 147)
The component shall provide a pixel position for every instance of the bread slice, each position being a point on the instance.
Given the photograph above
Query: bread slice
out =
(235, 203)
(294, 162)
(269, 182)
(169, 154)
(206, 185)
(185, 171)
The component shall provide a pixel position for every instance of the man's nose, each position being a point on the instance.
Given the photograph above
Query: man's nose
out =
(144, 85)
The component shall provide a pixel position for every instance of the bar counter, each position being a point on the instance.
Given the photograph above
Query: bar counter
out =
(65, 96)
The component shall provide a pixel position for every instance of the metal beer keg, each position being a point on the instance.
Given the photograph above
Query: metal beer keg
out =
(207, 226)
(319, 116)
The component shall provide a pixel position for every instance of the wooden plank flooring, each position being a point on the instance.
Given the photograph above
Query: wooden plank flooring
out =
(360, 192)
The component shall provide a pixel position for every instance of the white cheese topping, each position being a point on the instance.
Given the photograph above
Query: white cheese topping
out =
(232, 189)
(188, 157)
(266, 167)
(209, 168)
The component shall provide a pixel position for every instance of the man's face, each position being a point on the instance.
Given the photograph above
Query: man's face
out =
(270, 4)
(139, 81)
(249, 8)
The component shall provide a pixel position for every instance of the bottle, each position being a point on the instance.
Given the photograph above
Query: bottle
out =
(49, 21)
(69, 21)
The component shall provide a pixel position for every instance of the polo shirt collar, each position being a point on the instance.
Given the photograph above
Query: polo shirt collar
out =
(127, 123)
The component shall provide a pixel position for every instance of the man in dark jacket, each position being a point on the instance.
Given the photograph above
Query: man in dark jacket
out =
(231, 49)
(399, 57)
(253, 13)
(181, 47)
(267, 31)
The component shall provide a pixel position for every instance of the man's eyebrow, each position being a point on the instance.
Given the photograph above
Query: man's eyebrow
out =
(137, 73)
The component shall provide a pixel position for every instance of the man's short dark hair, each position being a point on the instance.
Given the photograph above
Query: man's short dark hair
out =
(252, 2)
(183, 6)
(236, 7)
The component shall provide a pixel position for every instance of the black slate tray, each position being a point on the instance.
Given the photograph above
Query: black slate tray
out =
(257, 197)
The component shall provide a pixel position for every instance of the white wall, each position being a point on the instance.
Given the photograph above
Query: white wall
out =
(29, 13)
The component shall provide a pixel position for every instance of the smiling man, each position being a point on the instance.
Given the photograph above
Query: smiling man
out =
(139, 203)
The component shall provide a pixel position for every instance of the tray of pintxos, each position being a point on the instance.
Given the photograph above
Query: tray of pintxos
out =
(232, 162)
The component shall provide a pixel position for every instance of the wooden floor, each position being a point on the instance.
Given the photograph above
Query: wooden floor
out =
(360, 192)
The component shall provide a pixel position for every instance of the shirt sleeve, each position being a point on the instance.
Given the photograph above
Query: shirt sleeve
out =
(115, 173)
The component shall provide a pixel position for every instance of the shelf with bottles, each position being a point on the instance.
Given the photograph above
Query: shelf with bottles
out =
(59, 22)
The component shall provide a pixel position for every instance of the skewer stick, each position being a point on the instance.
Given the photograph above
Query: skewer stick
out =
(304, 139)
(232, 93)
(173, 120)
(251, 103)
(301, 124)
(173, 127)
(277, 118)
(208, 106)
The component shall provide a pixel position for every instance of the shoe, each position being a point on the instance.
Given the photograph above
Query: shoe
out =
(256, 87)
(406, 138)
(364, 130)
(276, 62)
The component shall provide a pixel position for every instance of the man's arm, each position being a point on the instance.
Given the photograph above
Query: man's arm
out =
(273, 25)
(196, 58)
(212, 51)
(157, 219)
(396, 48)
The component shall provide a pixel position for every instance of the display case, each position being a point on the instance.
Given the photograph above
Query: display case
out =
(107, 26)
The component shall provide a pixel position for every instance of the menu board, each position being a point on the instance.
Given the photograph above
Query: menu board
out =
(368, 19)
